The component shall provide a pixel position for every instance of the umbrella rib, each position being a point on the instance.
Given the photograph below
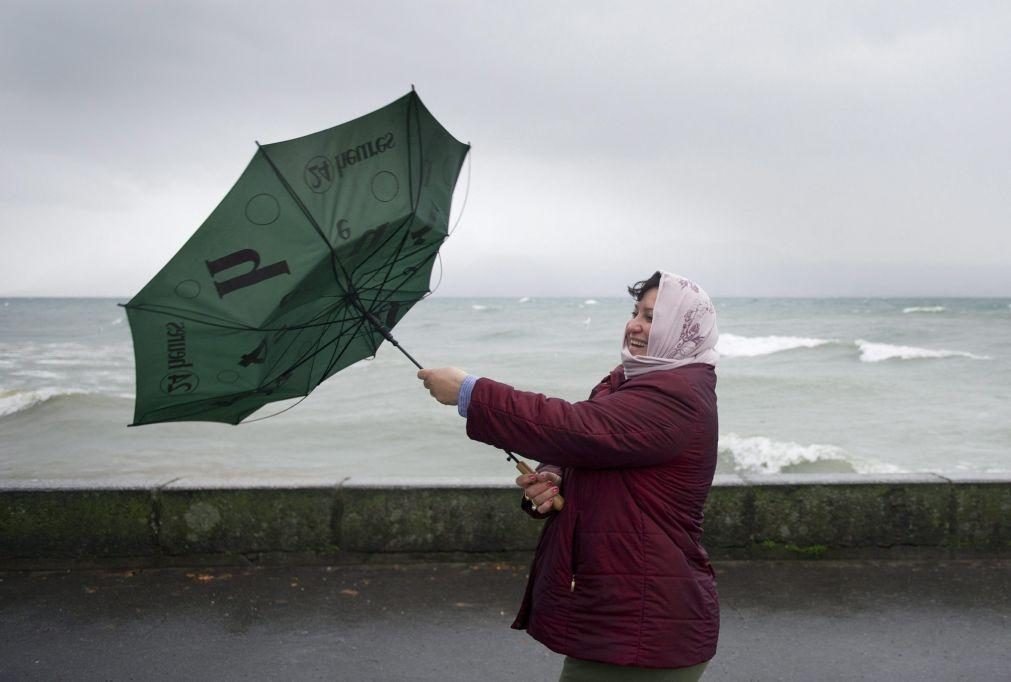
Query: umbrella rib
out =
(232, 327)
(316, 349)
(334, 261)
(415, 195)
(378, 247)
(342, 334)
(415, 199)
(400, 258)
(200, 406)
(320, 349)
(281, 355)
(179, 313)
(411, 106)
(172, 310)
(396, 290)
(336, 357)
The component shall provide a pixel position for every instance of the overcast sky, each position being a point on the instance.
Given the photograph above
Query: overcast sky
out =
(763, 148)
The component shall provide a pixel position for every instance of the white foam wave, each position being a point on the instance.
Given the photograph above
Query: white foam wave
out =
(479, 307)
(878, 352)
(589, 301)
(13, 401)
(68, 354)
(925, 309)
(734, 346)
(525, 299)
(761, 455)
(37, 374)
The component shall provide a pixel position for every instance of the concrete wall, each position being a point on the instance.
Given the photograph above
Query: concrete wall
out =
(180, 521)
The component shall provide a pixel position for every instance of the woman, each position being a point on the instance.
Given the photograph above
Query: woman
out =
(620, 582)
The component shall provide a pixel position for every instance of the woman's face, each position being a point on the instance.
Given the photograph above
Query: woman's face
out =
(637, 329)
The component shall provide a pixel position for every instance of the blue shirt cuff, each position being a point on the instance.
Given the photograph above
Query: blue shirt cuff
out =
(463, 397)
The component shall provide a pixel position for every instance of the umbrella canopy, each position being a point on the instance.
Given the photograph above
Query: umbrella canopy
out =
(322, 245)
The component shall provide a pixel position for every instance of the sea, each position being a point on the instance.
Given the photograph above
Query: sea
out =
(804, 385)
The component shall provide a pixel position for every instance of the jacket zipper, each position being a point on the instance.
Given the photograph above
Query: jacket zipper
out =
(575, 553)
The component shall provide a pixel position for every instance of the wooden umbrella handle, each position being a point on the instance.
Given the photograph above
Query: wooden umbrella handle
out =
(557, 502)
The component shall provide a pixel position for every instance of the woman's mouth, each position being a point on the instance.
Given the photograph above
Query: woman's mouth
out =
(637, 344)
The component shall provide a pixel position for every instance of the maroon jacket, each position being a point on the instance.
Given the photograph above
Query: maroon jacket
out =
(619, 575)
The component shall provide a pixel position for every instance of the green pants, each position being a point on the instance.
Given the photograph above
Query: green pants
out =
(578, 670)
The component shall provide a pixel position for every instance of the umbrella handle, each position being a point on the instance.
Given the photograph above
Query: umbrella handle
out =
(557, 502)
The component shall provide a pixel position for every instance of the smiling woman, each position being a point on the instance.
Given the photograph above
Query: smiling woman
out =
(637, 329)
(620, 582)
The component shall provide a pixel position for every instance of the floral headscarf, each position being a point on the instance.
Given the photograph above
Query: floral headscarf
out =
(683, 331)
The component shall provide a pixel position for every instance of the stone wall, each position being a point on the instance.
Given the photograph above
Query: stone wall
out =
(185, 522)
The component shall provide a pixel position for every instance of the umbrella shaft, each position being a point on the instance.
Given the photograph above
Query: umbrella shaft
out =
(408, 355)
(381, 328)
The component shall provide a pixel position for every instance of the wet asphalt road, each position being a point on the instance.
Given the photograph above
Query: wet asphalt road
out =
(852, 620)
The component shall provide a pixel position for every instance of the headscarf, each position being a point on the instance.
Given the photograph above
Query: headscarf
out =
(683, 331)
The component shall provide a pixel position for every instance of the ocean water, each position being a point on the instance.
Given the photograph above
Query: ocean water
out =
(805, 385)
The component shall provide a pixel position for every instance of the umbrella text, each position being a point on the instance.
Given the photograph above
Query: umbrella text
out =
(254, 276)
(365, 150)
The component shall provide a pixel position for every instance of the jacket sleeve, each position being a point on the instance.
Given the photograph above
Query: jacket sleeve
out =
(636, 426)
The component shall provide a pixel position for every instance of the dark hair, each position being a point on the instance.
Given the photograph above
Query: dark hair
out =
(639, 289)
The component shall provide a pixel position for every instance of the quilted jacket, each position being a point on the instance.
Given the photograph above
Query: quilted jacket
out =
(619, 575)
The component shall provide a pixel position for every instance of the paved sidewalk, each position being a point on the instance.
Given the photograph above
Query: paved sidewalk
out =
(854, 620)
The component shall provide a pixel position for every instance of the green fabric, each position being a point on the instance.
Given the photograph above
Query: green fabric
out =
(267, 298)
(579, 670)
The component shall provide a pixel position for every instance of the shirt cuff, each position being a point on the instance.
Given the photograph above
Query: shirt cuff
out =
(463, 397)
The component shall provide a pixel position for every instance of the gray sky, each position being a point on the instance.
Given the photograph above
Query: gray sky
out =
(763, 148)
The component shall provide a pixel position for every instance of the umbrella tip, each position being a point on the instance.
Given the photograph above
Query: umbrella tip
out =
(412, 87)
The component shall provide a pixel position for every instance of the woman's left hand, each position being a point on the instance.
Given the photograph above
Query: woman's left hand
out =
(443, 383)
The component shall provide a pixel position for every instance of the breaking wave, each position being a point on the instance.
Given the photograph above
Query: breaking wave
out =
(761, 455)
(925, 309)
(734, 346)
(14, 401)
(877, 352)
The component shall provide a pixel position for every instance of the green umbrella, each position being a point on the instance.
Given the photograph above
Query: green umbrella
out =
(320, 247)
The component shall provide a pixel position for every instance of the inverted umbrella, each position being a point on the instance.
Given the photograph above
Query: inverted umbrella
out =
(320, 247)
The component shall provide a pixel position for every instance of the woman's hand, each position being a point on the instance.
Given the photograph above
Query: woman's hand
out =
(540, 489)
(443, 383)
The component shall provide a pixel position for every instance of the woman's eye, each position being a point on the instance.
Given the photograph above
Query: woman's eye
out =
(649, 318)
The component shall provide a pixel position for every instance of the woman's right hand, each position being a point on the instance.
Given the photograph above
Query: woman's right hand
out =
(540, 489)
